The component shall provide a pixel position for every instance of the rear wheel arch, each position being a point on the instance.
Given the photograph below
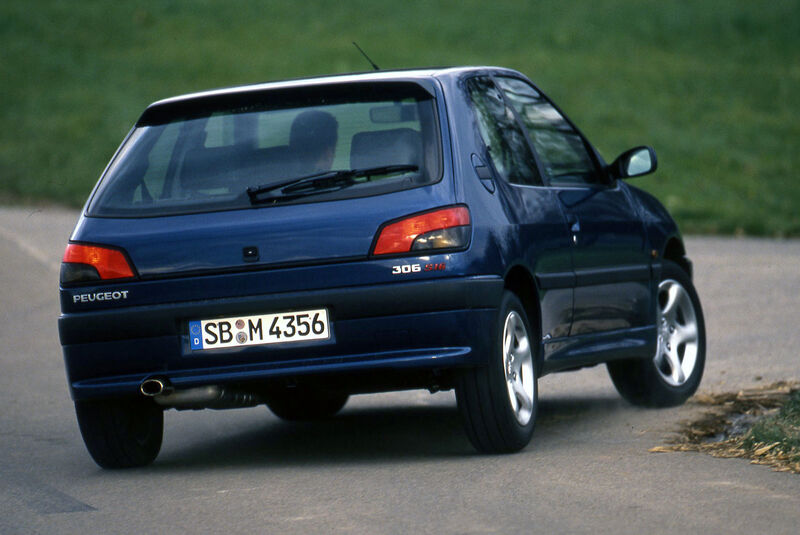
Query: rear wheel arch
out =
(498, 402)
(520, 282)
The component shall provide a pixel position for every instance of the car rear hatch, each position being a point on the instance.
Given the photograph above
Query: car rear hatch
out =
(271, 176)
(260, 238)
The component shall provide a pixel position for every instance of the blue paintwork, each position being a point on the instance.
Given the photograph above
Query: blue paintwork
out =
(610, 237)
(591, 294)
(283, 234)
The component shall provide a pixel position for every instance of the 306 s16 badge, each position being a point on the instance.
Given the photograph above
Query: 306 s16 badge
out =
(403, 269)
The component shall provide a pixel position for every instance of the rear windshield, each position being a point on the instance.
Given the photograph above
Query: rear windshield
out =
(205, 154)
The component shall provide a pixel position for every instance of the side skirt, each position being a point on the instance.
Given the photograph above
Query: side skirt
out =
(590, 349)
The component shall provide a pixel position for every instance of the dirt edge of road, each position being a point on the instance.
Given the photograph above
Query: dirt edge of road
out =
(722, 428)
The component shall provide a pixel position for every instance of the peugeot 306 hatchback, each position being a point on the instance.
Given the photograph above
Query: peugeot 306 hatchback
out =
(294, 243)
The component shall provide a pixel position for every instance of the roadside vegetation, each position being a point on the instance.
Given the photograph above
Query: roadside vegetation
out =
(761, 424)
(778, 437)
(711, 85)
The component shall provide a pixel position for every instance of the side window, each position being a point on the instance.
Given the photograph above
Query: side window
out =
(560, 148)
(502, 134)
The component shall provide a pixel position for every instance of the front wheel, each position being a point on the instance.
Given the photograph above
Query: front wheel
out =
(121, 433)
(673, 373)
(498, 402)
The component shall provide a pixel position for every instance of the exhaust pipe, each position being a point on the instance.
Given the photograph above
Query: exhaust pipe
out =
(189, 398)
(202, 397)
(154, 387)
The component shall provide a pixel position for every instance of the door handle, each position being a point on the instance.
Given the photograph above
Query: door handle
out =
(574, 228)
(483, 172)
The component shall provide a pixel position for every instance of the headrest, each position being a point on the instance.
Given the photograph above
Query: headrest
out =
(400, 146)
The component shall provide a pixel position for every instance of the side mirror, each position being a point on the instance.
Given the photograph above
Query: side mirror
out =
(634, 162)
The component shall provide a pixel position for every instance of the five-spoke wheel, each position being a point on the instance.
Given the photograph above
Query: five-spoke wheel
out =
(676, 355)
(673, 374)
(498, 401)
(518, 367)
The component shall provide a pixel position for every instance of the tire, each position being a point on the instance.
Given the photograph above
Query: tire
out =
(498, 402)
(673, 374)
(302, 404)
(121, 433)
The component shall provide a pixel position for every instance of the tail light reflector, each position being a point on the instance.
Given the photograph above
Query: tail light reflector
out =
(92, 262)
(443, 228)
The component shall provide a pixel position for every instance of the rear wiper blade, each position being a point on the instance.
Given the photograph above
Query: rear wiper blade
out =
(319, 182)
(343, 177)
(254, 191)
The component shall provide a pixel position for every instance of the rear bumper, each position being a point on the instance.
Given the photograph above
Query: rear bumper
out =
(434, 324)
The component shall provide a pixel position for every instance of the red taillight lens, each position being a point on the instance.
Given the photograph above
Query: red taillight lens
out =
(445, 228)
(108, 263)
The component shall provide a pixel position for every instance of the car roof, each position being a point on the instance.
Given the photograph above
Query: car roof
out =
(399, 75)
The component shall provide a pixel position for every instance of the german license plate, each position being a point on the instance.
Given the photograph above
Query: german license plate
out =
(279, 328)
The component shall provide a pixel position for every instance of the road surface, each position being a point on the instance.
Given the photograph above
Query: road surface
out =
(397, 463)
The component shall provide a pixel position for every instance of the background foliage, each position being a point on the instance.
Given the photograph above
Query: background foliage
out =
(712, 85)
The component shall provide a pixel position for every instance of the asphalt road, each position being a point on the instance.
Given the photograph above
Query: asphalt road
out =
(397, 463)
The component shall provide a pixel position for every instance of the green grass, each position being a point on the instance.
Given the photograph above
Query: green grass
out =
(712, 85)
(781, 431)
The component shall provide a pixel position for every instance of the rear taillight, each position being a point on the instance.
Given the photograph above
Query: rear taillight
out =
(444, 228)
(82, 263)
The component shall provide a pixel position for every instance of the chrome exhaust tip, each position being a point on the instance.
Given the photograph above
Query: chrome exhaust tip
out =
(154, 387)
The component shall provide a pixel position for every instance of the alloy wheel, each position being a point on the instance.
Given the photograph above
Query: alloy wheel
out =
(677, 333)
(518, 368)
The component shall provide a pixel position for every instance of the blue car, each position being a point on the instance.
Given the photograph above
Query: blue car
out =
(297, 242)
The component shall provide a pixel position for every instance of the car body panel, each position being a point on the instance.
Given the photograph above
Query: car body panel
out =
(591, 288)
(612, 267)
(332, 231)
(525, 225)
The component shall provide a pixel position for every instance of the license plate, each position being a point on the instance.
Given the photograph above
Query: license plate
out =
(279, 328)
